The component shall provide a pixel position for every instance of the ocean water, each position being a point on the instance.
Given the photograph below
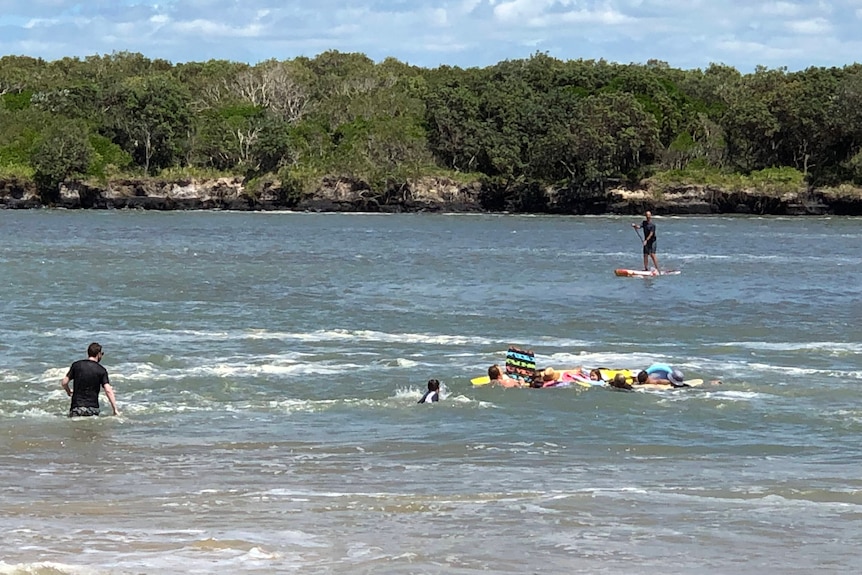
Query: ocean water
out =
(267, 367)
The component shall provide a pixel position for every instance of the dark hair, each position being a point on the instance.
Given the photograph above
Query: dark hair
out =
(619, 381)
(643, 376)
(94, 349)
(494, 371)
(433, 385)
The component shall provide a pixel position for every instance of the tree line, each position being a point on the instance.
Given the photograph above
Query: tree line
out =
(528, 123)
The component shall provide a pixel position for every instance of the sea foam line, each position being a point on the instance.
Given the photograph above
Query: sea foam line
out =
(317, 336)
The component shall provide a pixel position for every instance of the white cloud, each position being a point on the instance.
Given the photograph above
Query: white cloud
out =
(607, 17)
(813, 26)
(209, 28)
(782, 8)
(765, 50)
(519, 10)
(439, 17)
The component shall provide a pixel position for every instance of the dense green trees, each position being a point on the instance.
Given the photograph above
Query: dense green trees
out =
(520, 124)
(62, 150)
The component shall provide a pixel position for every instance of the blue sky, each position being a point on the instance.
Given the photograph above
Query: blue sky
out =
(685, 33)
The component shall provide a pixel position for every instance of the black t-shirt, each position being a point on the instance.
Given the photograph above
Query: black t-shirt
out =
(648, 227)
(89, 377)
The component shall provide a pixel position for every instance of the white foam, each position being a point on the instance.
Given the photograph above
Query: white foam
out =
(47, 567)
(795, 372)
(149, 372)
(317, 336)
(816, 346)
(735, 395)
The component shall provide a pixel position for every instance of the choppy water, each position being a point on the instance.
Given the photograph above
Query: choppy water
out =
(268, 366)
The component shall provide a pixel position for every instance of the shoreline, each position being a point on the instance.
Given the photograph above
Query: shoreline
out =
(438, 195)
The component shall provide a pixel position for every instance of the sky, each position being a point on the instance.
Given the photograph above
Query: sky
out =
(686, 34)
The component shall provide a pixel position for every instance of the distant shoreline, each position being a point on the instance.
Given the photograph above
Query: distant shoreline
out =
(426, 195)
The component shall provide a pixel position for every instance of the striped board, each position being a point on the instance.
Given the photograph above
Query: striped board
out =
(626, 273)
(520, 363)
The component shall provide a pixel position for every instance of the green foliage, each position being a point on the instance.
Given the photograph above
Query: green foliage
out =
(150, 119)
(683, 143)
(19, 136)
(784, 177)
(272, 148)
(16, 171)
(770, 181)
(225, 137)
(17, 101)
(175, 173)
(62, 151)
(295, 183)
(854, 167)
(16, 153)
(108, 159)
(519, 124)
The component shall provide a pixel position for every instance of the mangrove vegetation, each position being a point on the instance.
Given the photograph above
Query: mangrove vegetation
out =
(517, 126)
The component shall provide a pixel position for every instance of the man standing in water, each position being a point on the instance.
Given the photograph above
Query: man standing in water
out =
(649, 240)
(89, 376)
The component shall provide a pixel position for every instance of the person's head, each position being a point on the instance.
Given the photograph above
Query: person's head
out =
(648, 215)
(95, 350)
(494, 372)
(643, 376)
(676, 377)
(595, 375)
(620, 382)
(433, 385)
(549, 374)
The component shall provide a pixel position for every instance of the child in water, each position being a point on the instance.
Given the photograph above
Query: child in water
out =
(433, 393)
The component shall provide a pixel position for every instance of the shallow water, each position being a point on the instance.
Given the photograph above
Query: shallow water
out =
(268, 366)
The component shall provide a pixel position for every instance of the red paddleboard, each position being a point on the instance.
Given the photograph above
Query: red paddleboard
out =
(622, 272)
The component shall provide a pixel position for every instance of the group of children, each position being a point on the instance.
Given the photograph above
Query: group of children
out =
(657, 374)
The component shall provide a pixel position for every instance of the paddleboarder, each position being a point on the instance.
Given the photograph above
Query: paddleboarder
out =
(649, 241)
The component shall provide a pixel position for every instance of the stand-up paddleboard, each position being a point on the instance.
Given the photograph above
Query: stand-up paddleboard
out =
(626, 273)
